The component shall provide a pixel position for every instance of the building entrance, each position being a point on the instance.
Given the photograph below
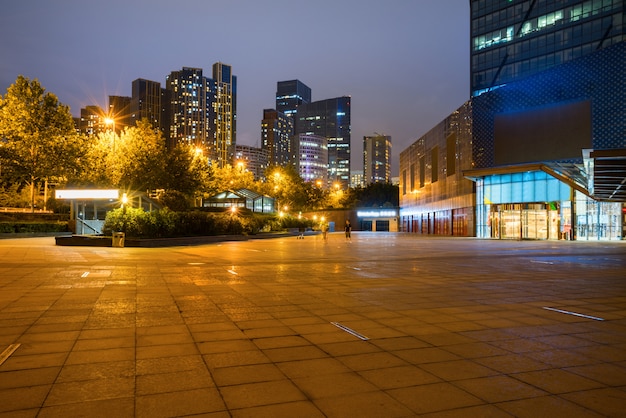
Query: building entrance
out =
(524, 221)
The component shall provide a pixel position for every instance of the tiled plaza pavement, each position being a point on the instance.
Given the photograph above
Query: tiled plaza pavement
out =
(387, 325)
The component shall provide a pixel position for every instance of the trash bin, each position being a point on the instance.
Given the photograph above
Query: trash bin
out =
(118, 239)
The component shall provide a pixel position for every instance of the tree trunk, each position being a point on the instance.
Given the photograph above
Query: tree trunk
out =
(32, 194)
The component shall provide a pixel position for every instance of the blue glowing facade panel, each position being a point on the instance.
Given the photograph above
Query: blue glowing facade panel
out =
(598, 78)
(527, 187)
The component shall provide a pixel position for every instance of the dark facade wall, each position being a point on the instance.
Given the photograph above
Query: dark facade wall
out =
(598, 78)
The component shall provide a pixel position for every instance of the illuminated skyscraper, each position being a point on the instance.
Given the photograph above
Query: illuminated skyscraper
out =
(146, 102)
(276, 134)
(191, 108)
(203, 111)
(511, 40)
(291, 94)
(312, 161)
(330, 118)
(376, 159)
(225, 110)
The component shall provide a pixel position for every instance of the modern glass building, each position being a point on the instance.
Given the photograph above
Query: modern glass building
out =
(539, 151)
(291, 94)
(331, 119)
(514, 39)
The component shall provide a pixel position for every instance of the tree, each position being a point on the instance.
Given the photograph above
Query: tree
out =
(39, 141)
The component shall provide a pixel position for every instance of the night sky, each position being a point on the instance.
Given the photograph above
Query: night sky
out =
(405, 63)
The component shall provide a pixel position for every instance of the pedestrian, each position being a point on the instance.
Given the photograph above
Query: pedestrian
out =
(324, 230)
(301, 230)
(348, 229)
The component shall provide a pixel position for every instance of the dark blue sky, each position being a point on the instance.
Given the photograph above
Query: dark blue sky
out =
(404, 62)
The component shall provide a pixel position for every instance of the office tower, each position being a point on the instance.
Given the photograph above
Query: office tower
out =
(511, 40)
(291, 94)
(312, 160)
(119, 111)
(191, 109)
(225, 110)
(331, 119)
(376, 159)
(276, 135)
(252, 159)
(146, 102)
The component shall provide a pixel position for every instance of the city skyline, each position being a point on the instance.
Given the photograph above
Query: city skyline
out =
(405, 66)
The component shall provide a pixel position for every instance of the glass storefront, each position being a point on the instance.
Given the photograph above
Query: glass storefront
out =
(599, 221)
(536, 206)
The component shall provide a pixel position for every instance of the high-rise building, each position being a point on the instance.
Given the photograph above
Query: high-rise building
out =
(191, 108)
(376, 159)
(203, 111)
(330, 118)
(146, 102)
(511, 40)
(276, 136)
(312, 161)
(291, 94)
(225, 110)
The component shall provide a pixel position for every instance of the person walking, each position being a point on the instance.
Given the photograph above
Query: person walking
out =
(324, 228)
(348, 229)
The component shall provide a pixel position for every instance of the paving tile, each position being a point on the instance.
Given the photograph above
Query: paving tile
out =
(556, 381)
(119, 407)
(300, 409)
(168, 364)
(173, 381)
(608, 374)
(368, 361)
(512, 363)
(172, 404)
(238, 358)
(91, 390)
(608, 402)
(363, 405)
(93, 371)
(399, 377)
(433, 397)
(236, 375)
(333, 385)
(261, 393)
(312, 367)
(16, 399)
(546, 406)
(458, 370)
(499, 389)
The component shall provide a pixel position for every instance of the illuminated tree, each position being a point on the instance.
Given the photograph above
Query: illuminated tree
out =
(37, 136)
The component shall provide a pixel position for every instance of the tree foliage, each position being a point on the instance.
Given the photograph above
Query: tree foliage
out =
(39, 141)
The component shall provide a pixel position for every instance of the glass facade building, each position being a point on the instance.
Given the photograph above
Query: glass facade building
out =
(514, 39)
(517, 162)
(331, 119)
